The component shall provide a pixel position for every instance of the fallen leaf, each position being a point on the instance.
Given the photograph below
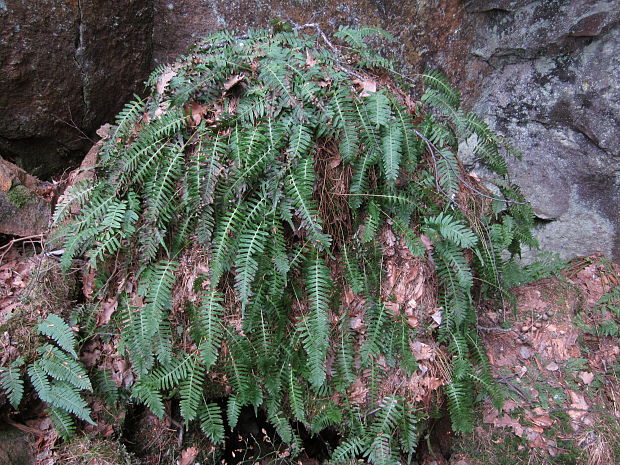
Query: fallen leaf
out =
(310, 62)
(437, 317)
(107, 309)
(428, 244)
(586, 377)
(164, 80)
(552, 366)
(578, 405)
(422, 351)
(196, 112)
(368, 86)
(188, 456)
(88, 282)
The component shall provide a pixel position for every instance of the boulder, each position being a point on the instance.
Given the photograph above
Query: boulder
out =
(15, 447)
(25, 204)
(552, 86)
(65, 68)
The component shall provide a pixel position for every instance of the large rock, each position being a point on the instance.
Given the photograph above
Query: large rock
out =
(15, 446)
(552, 86)
(66, 67)
(25, 204)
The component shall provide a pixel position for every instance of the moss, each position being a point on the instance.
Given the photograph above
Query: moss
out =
(20, 196)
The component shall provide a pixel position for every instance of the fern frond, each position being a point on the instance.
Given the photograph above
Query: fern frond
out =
(392, 151)
(11, 382)
(62, 367)
(54, 327)
(453, 230)
(62, 422)
(209, 325)
(211, 422)
(191, 392)
(149, 396)
(439, 83)
(315, 326)
(300, 185)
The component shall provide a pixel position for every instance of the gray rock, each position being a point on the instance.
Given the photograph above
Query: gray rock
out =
(559, 101)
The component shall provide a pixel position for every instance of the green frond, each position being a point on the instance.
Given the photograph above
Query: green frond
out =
(12, 383)
(209, 326)
(62, 422)
(342, 107)
(314, 326)
(348, 451)
(127, 118)
(434, 80)
(295, 395)
(191, 392)
(299, 187)
(460, 406)
(55, 328)
(66, 397)
(222, 242)
(453, 230)
(392, 152)
(251, 244)
(149, 396)
(62, 367)
(378, 108)
(211, 422)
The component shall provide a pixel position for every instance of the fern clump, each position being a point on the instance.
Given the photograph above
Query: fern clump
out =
(243, 201)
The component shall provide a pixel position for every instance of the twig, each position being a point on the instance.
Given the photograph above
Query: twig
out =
(12, 242)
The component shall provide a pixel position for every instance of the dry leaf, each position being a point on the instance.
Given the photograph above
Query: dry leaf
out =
(552, 366)
(107, 309)
(164, 80)
(188, 456)
(586, 377)
(196, 112)
(310, 62)
(428, 244)
(368, 86)
(422, 351)
(88, 282)
(579, 404)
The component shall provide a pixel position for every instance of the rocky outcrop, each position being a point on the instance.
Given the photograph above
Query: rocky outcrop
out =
(65, 68)
(552, 85)
(15, 447)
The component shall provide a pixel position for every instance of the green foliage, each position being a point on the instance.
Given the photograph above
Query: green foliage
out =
(12, 383)
(239, 183)
(58, 377)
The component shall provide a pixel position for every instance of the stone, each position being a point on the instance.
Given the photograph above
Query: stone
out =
(15, 447)
(554, 90)
(25, 207)
(65, 68)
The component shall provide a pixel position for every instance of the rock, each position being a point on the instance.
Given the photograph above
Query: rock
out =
(66, 67)
(554, 90)
(25, 208)
(15, 448)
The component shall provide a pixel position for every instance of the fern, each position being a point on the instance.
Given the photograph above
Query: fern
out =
(11, 382)
(251, 229)
(211, 422)
(54, 327)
